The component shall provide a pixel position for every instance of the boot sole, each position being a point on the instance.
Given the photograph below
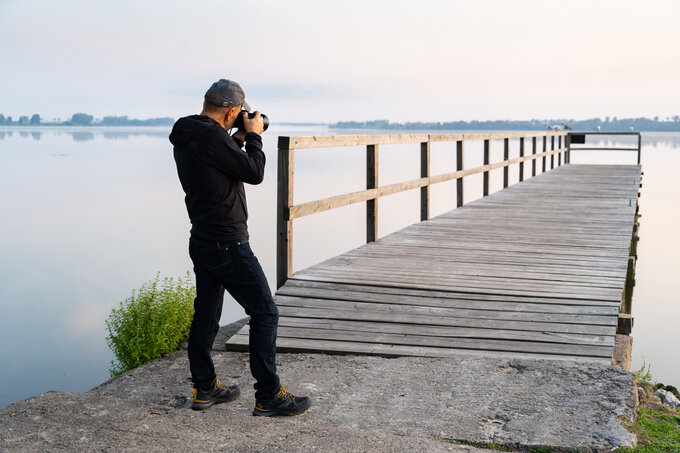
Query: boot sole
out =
(203, 406)
(273, 412)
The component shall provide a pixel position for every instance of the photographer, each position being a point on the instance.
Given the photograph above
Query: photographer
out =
(212, 168)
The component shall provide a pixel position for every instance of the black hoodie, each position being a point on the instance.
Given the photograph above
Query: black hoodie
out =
(212, 168)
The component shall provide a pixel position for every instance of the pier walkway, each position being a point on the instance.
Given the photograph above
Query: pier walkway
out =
(537, 269)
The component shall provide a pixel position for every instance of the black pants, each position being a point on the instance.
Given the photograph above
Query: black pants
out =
(234, 267)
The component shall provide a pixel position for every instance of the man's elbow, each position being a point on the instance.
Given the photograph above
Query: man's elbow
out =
(255, 178)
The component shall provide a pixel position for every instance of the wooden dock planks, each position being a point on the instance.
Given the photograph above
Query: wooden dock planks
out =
(534, 270)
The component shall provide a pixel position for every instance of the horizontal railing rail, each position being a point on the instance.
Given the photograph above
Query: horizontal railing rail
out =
(580, 138)
(287, 211)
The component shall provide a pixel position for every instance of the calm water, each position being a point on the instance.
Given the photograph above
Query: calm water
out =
(90, 214)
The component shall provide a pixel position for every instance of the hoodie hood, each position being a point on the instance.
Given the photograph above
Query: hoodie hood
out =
(188, 127)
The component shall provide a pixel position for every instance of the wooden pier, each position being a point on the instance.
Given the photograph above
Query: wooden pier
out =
(537, 269)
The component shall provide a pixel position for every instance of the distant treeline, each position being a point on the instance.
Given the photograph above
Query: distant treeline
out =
(83, 119)
(607, 124)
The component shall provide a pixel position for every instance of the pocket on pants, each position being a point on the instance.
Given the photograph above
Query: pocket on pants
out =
(216, 258)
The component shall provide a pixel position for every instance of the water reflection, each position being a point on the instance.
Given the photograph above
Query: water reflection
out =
(87, 134)
(78, 242)
(82, 136)
(666, 139)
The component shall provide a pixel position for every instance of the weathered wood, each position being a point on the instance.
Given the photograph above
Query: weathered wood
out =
(425, 173)
(521, 154)
(567, 154)
(506, 156)
(485, 187)
(533, 151)
(474, 297)
(552, 157)
(448, 342)
(535, 270)
(240, 343)
(590, 148)
(313, 207)
(624, 325)
(447, 331)
(371, 183)
(326, 141)
(443, 312)
(545, 148)
(639, 155)
(284, 225)
(459, 167)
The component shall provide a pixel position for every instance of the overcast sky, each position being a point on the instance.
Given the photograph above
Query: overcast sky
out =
(325, 61)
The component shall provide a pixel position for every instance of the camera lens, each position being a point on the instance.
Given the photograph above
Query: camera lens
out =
(239, 120)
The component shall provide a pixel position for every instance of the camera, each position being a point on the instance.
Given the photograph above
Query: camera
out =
(239, 120)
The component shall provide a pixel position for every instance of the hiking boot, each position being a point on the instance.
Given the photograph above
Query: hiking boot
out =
(203, 399)
(282, 404)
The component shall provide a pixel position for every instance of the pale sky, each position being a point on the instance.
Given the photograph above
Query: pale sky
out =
(323, 61)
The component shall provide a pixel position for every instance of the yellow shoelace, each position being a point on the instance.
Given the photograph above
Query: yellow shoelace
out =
(283, 393)
(195, 391)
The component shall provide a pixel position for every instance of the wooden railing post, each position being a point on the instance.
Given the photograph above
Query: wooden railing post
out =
(559, 155)
(506, 157)
(567, 154)
(284, 226)
(552, 148)
(371, 183)
(533, 151)
(459, 167)
(639, 147)
(521, 154)
(425, 173)
(545, 148)
(485, 189)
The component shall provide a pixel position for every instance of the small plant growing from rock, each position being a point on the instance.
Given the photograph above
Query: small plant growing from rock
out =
(152, 322)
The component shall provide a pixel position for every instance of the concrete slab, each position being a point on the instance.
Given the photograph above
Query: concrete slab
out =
(360, 403)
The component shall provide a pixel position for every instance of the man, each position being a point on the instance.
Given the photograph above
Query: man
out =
(212, 168)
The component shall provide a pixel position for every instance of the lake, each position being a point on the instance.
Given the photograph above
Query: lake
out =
(90, 214)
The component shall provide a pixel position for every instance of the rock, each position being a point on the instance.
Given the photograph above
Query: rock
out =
(667, 397)
(360, 403)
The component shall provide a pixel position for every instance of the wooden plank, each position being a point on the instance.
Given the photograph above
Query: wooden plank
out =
(444, 295)
(409, 339)
(326, 313)
(484, 283)
(447, 331)
(459, 313)
(240, 343)
(325, 141)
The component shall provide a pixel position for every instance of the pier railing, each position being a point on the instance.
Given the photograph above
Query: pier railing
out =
(287, 211)
(574, 138)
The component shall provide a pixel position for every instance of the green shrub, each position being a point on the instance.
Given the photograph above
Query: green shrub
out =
(154, 321)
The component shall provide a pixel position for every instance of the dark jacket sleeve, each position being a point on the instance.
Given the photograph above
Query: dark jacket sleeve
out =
(245, 166)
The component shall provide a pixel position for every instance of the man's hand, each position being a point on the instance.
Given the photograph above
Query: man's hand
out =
(240, 134)
(254, 124)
